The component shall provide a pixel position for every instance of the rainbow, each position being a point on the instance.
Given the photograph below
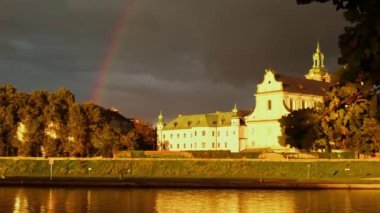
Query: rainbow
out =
(113, 44)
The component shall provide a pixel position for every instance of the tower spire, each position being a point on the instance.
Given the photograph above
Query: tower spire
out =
(160, 118)
(235, 110)
(318, 50)
(318, 71)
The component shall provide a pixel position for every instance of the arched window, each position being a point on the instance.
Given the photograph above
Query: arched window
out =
(291, 104)
(269, 105)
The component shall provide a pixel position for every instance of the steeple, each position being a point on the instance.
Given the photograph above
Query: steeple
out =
(235, 120)
(160, 118)
(159, 127)
(235, 111)
(318, 71)
(318, 58)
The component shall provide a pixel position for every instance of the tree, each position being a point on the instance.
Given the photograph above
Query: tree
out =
(352, 107)
(57, 116)
(360, 42)
(107, 141)
(8, 119)
(78, 132)
(130, 141)
(349, 110)
(301, 128)
(146, 135)
(52, 124)
(35, 121)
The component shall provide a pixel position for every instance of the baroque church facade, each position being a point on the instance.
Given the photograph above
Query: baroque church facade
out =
(240, 130)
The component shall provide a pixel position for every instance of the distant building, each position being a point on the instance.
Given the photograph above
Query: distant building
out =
(213, 131)
(240, 130)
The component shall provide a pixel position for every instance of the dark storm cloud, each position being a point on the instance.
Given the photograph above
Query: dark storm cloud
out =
(174, 55)
(233, 40)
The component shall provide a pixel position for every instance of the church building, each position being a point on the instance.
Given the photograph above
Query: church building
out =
(240, 130)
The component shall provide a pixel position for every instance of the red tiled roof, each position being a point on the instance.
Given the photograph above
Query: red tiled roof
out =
(302, 85)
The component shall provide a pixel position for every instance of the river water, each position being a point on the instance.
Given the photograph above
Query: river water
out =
(28, 199)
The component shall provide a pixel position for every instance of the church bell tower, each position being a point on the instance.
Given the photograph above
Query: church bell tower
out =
(318, 72)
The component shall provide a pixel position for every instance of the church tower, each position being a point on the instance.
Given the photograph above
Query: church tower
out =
(160, 125)
(235, 120)
(318, 72)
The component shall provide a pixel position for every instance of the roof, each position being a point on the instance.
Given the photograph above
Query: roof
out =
(302, 85)
(217, 119)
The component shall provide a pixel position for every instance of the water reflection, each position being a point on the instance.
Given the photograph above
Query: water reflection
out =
(19, 199)
(233, 201)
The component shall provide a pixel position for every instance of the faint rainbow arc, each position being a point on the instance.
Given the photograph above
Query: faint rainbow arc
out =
(112, 48)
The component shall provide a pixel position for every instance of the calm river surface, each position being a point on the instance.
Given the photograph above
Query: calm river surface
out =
(26, 199)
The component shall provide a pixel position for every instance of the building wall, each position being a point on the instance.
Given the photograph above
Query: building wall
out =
(264, 129)
(295, 101)
(202, 138)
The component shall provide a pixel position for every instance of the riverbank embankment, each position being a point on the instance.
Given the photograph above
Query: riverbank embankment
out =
(227, 173)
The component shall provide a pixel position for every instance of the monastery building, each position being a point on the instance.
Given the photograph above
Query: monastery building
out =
(240, 130)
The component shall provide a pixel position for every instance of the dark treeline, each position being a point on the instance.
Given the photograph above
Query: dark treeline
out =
(41, 123)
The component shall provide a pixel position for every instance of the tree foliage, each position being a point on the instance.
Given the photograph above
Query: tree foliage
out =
(53, 124)
(301, 129)
(350, 110)
(360, 42)
(350, 118)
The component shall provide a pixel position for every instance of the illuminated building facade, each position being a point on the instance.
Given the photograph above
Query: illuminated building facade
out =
(239, 130)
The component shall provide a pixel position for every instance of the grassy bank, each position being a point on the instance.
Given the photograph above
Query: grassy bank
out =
(339, 170)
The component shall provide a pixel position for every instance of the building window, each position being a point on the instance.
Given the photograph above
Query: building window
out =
(218, 133)
(213, 145)
(203, 133)
(213, 133)
(171, 135)
(234, 133)
(163, 136)
(171, 146)
(195, 133)
(177, 146)
(218, 145)
(184, 146)
(184, 135)
(195, 145)
(303, 104)
(226, 133)
(203, 145)
(177, 135)
(225, 145)
(269, 105)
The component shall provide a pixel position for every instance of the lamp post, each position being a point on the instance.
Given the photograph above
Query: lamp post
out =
(51, 162)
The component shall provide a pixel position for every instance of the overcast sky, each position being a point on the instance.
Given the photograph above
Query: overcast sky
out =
(178, 56)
